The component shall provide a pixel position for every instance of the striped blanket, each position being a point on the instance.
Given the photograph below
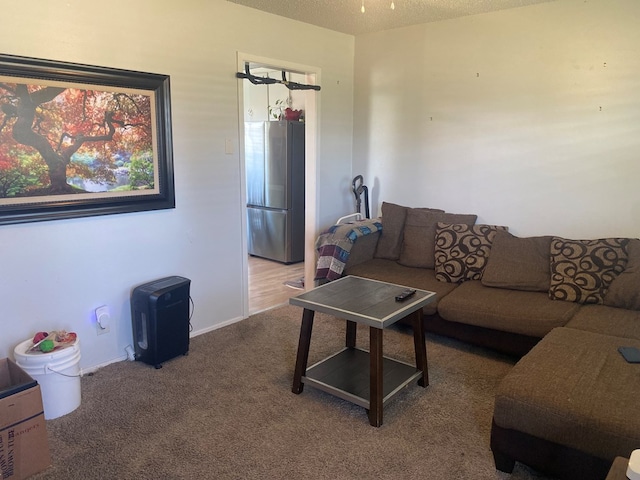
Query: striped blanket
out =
(334, 245)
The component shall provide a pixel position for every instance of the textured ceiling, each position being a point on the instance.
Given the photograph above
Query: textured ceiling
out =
(345, 15)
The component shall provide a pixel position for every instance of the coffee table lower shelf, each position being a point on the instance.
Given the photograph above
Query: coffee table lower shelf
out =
(346, 375)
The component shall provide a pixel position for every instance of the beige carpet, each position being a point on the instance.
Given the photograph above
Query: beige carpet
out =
(226, 411)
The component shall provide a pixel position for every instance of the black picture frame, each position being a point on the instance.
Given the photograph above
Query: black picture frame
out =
(131, 89)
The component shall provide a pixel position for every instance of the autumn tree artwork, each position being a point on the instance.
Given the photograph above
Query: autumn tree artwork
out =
(59, 139)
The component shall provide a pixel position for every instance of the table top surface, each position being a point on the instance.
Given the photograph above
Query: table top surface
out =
(363, 300)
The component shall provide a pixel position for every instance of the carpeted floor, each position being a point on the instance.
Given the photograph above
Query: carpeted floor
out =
(226, 411)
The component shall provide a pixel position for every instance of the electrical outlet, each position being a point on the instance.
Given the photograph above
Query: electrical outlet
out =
(103, 320)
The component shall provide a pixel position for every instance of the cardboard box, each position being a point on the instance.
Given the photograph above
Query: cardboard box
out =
(24, 447)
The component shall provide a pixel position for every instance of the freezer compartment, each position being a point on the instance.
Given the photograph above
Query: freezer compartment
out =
(276, 234)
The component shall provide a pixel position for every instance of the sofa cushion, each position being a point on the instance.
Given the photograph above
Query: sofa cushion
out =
(582, 270)
(418, 244)
(574, 388)
(526, 313)
(518, 263)
(363, 248)
(390, 242)
(607, 320)
(624, 291)
(390, 271)
(462, 251)
(393, 220)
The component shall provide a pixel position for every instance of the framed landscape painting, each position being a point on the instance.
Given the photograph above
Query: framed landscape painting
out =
(79, 140)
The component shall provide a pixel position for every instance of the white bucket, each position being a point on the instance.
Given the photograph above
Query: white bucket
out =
(58, 375)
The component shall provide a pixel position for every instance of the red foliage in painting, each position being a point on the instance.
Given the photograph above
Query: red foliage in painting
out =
(48, 125)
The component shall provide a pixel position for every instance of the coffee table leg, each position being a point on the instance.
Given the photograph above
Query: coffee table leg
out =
(303, 350)
(375, 376)
(420, 347)
(351, 334)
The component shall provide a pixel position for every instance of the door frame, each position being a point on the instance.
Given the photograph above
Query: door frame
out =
(312, 136)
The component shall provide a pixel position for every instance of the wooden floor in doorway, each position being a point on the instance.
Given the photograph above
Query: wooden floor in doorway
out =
(267, 279)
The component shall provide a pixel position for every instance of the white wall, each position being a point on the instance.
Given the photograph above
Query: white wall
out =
(529, 117)
(55, 273)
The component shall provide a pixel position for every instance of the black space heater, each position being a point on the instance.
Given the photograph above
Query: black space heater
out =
(160, 317)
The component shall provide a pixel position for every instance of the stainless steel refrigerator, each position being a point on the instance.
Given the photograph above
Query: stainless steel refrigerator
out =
(274, 161)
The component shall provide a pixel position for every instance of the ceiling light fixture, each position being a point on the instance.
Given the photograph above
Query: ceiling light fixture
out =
(393, 6)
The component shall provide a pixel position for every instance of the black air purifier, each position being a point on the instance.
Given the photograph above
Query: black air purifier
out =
(160, 317)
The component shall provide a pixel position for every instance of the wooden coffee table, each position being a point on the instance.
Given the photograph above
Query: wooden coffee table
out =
(345, 374)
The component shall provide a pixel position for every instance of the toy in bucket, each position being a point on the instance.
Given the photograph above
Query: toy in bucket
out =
(48, 342)
(52, 359)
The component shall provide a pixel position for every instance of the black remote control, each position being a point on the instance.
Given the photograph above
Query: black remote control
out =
(405, 294)
(630, 354)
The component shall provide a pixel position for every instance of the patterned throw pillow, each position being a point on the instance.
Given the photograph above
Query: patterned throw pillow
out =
(462, 251)
(582, 270)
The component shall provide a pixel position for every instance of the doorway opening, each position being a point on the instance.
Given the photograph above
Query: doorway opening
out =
(268, 283)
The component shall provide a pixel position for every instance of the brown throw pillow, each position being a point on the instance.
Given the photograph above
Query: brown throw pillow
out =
(582, 270)
(518, 263)
(418, 245)
(390, 241)
(624, 291)
(462, 251)
(393, 220)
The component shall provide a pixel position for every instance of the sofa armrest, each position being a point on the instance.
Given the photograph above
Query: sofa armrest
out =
(363, 249)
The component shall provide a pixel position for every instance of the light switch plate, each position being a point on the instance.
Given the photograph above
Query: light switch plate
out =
(228, 146)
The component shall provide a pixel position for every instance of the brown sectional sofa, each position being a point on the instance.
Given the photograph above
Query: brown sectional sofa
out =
(569, 406)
